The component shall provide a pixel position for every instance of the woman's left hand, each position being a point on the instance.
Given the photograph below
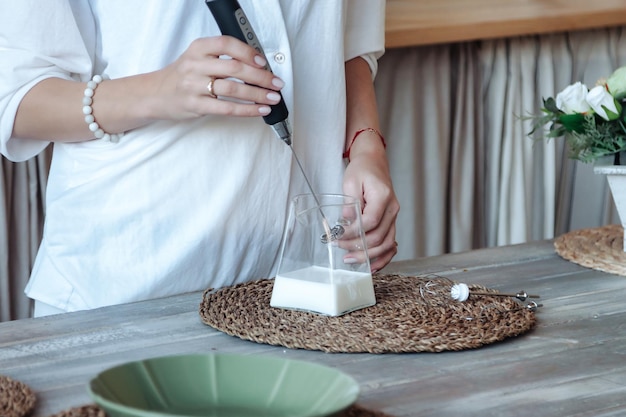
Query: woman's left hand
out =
(367, 177)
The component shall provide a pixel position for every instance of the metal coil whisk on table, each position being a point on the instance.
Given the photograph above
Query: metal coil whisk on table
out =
(461, 292)
(439, 291)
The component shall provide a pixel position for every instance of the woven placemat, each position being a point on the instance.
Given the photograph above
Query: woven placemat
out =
(93, 410)
(412, 314)
(600, 248)
(16, 398)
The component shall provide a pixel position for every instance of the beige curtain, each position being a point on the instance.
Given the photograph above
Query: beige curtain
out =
(465, 172)
(22, 188)
(430, 103)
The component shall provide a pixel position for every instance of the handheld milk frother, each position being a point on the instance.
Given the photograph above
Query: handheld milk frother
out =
(232, 21)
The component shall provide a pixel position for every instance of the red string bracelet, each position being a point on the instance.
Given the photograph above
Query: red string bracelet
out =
(346, 154)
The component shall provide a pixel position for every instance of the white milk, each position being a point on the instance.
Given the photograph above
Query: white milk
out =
(325, 291)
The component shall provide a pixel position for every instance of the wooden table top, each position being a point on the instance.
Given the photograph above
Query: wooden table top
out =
(425, 22)
(572, 363)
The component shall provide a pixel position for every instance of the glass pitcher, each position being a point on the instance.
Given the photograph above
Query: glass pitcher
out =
(324, 266)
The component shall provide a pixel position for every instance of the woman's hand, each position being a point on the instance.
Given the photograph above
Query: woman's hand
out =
(367, 177)
(241, 87)
(199, 82)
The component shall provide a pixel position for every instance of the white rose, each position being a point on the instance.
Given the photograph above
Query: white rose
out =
(617, 83)
(573, 99)
(603, 103)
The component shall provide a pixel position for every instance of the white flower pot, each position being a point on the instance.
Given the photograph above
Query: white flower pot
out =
(616, 176)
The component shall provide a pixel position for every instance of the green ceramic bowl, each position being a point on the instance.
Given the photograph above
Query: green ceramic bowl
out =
(222, 385)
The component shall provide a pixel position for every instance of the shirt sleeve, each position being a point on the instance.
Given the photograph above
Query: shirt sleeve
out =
(38, 40)
(365, 31)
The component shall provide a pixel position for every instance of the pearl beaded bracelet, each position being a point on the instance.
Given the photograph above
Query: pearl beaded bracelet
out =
(88, 112)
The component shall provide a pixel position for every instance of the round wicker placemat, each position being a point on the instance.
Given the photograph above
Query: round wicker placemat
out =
(412, 314)
(93, 410)
(600, 248)
(16, 398)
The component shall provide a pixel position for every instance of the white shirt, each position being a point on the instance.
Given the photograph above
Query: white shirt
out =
(177, 207)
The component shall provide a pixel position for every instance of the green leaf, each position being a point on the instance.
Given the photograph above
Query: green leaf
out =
(573, 122)
(550, 105)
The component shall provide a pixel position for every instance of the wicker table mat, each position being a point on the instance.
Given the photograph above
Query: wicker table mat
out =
(412, 314)
(95, 411)
(599, 248)
(16, 398)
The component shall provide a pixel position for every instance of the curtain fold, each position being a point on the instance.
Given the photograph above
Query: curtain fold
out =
(22, 191)
(429, 106)
(465, 211)
(413, 88)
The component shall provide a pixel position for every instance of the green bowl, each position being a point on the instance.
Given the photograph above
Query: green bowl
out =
(223, 385)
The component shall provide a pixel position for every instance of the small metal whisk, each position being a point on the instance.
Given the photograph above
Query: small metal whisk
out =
(461, 292)
(335, 234)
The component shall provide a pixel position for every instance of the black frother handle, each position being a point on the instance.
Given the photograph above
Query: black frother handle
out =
(233, 22)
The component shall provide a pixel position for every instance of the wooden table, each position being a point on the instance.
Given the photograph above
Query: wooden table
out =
(572, 364)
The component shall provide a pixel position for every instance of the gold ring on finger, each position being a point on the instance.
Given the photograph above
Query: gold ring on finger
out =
(210, 86)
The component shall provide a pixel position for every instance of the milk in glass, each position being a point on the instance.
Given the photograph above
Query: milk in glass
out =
(311, 275)
(322, 290)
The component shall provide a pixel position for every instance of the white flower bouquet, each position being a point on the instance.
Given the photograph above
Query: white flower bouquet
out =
(593, 122)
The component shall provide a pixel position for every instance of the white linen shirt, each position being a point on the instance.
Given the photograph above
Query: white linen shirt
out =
(176, 206)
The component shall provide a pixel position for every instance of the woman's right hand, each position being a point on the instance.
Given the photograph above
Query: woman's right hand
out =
(242, 86)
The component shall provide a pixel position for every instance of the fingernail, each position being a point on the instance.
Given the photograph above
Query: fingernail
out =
(260, 60)
(264, 110)
(277, 82)
(273, 96)
(349, 261)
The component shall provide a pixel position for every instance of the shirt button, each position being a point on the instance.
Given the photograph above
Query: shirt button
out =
(279, 57)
